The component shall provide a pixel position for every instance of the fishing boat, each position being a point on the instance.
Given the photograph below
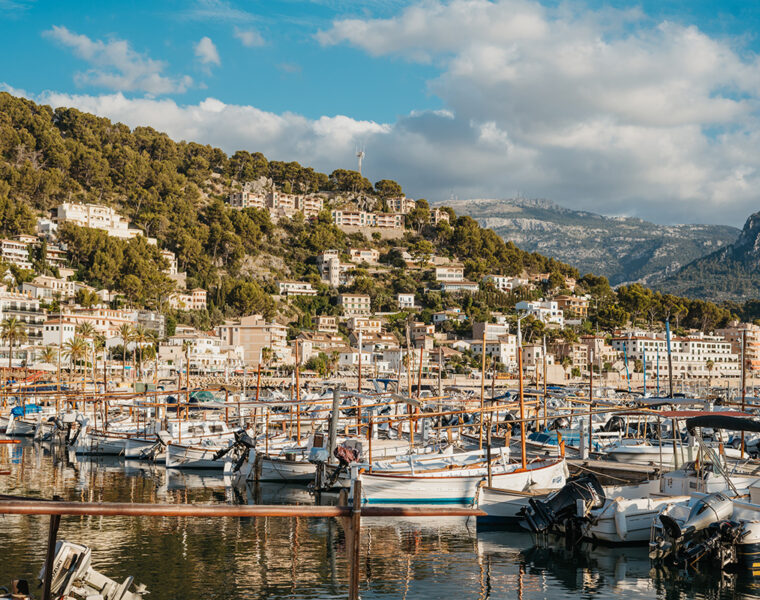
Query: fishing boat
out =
(457, 487)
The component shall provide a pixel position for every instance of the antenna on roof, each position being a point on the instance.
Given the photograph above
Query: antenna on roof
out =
(360, 154)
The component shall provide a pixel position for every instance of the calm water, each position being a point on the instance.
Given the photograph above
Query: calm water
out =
(183, 558)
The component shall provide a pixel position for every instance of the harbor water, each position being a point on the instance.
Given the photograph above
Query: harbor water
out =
(301, 558)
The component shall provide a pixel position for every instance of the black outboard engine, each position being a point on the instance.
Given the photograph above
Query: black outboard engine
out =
(559, 423)
(240, 449)
(560, 506)
(615, 423)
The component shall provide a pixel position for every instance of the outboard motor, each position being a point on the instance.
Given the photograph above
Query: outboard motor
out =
(615, 423)
(712, 508)
(72, 574)
(542, 515)
(559, 423)
(239, 449)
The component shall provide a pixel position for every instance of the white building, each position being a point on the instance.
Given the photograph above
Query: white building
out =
(25, 309)
(355, 305)
(506, 283)
(696, 356)
(454, 287)
(546, 311)
(405, 301)
(365, 325)
(360, 255)
(53, 334)
(16, 252)
(96, 216)
(332, 271)
(194, 300)
(452, 272)
(44, 287)
(205, 353)
(296, 288)
(503, 349)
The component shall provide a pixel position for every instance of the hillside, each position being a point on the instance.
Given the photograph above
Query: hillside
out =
(730, 274)
(623, 249)
(175, 192)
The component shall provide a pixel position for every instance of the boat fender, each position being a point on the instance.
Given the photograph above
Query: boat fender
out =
(621, 525)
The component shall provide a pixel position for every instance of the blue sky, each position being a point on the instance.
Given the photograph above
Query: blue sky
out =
(648, 109)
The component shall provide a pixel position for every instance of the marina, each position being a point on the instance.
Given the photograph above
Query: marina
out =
(467, 480)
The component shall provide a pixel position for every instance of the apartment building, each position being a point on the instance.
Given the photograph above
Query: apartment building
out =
(296, 288)
(194, 300)
(203, 352)
(401, 205)
(492, 331)
(546, 311)
(16, 252)
(733, 334)
(506, 283)
(45, 287)
(438, 216)
(278, 204)
(576, 353)
(26, 309)
(106, 321)
(364, 324)
(355, 305)
(405, 301)
(696, 356)
(503, 349)
(247, 199)
(331, 270)
(360, 218)
(573, 307)
(327, 324)
(450, 272)
(96, 216)
(368, 255)
(254, 334)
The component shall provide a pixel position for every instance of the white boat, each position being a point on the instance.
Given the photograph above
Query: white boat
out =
(627, 514)
(645, 453)
(456, 486)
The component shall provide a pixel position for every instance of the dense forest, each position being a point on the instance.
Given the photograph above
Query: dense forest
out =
(175, 191)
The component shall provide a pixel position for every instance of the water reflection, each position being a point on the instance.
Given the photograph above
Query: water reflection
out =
(189, 558)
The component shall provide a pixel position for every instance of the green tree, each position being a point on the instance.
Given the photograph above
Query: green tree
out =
(13, 332)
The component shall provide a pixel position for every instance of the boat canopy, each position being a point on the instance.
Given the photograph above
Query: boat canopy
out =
(717, 421)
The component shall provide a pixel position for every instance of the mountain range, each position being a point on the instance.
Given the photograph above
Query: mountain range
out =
(731, 273)
(623, 249)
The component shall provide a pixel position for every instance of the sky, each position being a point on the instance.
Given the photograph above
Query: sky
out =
(648, 109)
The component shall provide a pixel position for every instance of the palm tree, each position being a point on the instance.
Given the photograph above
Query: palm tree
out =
(49, 355)
(75, 349)
(86, 329)
(99, 343)
(140, 337)
(12, 331)
(154, 340)
(125, 333)
(266, 356)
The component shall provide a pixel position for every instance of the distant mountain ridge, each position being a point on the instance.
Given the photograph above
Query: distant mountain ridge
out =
(731, 273)
(624, 249)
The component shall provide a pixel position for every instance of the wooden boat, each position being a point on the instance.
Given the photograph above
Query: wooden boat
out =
(457, 486)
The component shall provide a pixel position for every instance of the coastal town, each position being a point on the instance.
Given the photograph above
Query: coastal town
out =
(379, 300)
(52, 321)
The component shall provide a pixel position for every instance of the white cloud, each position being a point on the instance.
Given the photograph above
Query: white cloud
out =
(115, 65)
(604, 111)
(617, 114)
(249, 37)
(216, 10)
(206, 52)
